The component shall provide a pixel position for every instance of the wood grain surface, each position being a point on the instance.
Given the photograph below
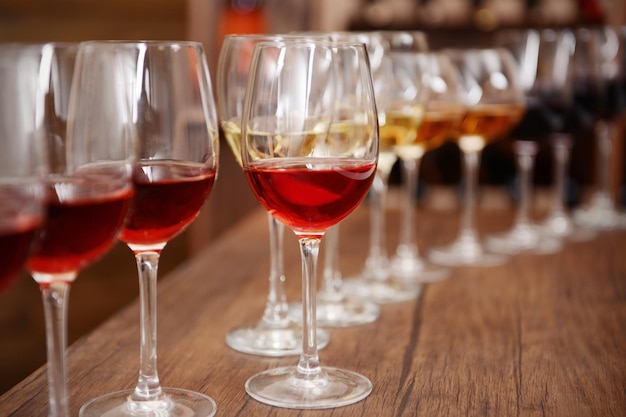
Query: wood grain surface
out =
(537, 336)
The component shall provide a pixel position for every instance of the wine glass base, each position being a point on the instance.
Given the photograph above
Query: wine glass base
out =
(463, 253)
(599, 217)
(523, 239)
(272, 341)
(417, 270)
(563, 227)
(177, 403)
(281, 387)
(344, 313)
(386, 291)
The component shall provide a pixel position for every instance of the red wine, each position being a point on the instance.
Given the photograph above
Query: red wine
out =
(21, 214)
(83, 218)
(546, 113)
(168, 197)
(599, 99)
(310, 194)
(16, 236)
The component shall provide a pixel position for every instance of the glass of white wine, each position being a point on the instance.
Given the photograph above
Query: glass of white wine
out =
(277, 333)
(495, 103)
(442, 111)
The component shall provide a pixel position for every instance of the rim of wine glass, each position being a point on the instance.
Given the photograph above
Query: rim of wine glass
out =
(310, 43)
(265, 37)
(145, 42)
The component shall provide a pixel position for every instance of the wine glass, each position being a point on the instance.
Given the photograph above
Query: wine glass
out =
(434, 77)
(494, 104)
(309, 152)
(544, 62)
(407, 263)
(276, 334)
(376, 282)
(175, 124)
(553, 103)
(88, 190)
(23, 161)
(600, 92)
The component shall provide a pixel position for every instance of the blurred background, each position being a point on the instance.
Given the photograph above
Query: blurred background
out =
(111, 283)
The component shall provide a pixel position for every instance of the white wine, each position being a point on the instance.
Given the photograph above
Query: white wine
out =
(232, 133)
(340, 138)
(440, 124)
(400, 131)
(350, 137)
(488, 122)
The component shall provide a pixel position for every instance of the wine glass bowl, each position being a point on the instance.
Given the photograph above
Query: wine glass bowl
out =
(309, 153)
(166, 85)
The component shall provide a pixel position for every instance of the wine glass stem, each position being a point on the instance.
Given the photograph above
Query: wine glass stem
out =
(525, 162)
(560, 150)
(377, 260)
(604, 133)
(148, 386)
(276, 308)
(471, 160)
(55, 298)
(332, 283)
(309, 363)
(407, 246)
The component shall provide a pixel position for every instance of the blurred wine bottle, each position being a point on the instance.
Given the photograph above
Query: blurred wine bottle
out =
(242, 16)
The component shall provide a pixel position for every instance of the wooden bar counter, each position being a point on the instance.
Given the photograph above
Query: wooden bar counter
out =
(537, 336)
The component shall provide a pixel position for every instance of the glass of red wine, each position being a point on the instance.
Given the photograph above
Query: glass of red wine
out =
(553, 105)
(600, 95)
(309, 152)
(543, 58)
(276, 334)
(23, 161)
(175, 123)
(87, 192)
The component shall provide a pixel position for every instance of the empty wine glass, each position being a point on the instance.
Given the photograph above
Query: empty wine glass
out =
(277, 333)
(175, 125)
(88, 193)
(494, 104)
(309, 152)
(23, 161)
(600, 92)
